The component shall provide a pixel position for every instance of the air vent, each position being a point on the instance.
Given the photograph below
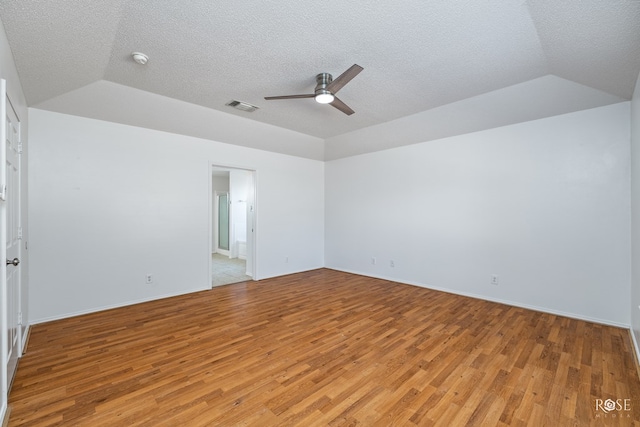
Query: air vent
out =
(243, 106)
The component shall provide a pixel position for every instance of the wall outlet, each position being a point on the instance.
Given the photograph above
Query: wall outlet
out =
(373, 260)
(392, 263)
(286, 260)
(148, 278)
(494, 279)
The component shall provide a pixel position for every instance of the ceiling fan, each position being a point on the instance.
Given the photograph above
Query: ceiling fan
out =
(326, 88)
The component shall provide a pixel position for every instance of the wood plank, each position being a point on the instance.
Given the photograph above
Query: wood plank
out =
(323, 348)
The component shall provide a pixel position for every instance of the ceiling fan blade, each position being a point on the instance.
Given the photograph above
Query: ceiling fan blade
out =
(309, 95)
(344, 78)
(341, 106)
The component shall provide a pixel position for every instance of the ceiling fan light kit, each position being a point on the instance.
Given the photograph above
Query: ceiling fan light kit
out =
(326, 89)
(324, 98)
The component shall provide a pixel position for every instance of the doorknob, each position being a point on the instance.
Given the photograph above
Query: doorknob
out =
(14, 261)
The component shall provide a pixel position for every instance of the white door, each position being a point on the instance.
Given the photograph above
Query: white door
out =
(11, 219)
(251, 202)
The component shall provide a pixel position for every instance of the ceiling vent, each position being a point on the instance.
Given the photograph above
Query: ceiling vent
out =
(243, 106)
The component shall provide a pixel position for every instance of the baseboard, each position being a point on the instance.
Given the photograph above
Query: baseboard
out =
(25, 339)
(143, 300)
(637, 350)
(5, 414)
(496, 300)
(112, 306)
(289, 273)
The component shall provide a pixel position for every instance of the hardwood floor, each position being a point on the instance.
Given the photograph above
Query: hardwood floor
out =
(324, 348)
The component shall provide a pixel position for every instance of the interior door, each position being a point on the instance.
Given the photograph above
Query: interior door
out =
(13, 236)
(251, 203)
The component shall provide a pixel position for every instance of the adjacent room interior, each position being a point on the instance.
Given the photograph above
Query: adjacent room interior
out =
(320, 214)
(233, 225)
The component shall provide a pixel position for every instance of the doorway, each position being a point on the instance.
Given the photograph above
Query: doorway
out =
(233, 196)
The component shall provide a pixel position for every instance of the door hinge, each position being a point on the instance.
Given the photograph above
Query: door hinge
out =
(20, 318)
(20, 148)
(19, 232)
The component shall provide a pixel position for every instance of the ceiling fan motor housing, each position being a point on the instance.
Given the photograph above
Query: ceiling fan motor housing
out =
(323, 80)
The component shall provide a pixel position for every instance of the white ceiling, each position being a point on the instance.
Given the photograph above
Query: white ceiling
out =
(417, 55)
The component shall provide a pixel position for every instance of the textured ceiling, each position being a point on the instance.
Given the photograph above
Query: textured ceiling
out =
(417, 55)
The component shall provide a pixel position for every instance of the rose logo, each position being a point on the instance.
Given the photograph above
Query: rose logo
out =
(609, 405)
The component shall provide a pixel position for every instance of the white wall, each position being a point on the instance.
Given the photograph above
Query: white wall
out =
(111, 203)
(635, 215)
(220, 183)
(543, 204)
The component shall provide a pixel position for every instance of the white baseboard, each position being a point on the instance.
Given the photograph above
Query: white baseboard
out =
(497, 300)
(142, 300)
(4, 415)
(25, 339)
(282, 274)
(109, 307)
(636, 348)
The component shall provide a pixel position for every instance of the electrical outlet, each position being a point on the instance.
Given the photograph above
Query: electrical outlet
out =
(373, 260)
(286, 260)
(392, 264)
(494, 279)
(149, 278)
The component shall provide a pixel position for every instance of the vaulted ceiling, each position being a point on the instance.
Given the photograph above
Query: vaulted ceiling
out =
(417, 55)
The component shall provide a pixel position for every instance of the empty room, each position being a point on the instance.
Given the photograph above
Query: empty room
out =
(320, 213)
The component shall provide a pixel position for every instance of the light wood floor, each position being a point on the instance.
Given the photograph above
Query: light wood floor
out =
(323, 348)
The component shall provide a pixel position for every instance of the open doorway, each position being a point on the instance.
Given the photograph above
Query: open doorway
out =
(232, 225)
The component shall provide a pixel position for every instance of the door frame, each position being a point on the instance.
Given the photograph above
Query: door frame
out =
(252, 221)
(5, 378)
(4, 318)
(16, 201)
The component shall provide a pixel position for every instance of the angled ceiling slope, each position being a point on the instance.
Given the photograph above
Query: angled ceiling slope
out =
(417, 56)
